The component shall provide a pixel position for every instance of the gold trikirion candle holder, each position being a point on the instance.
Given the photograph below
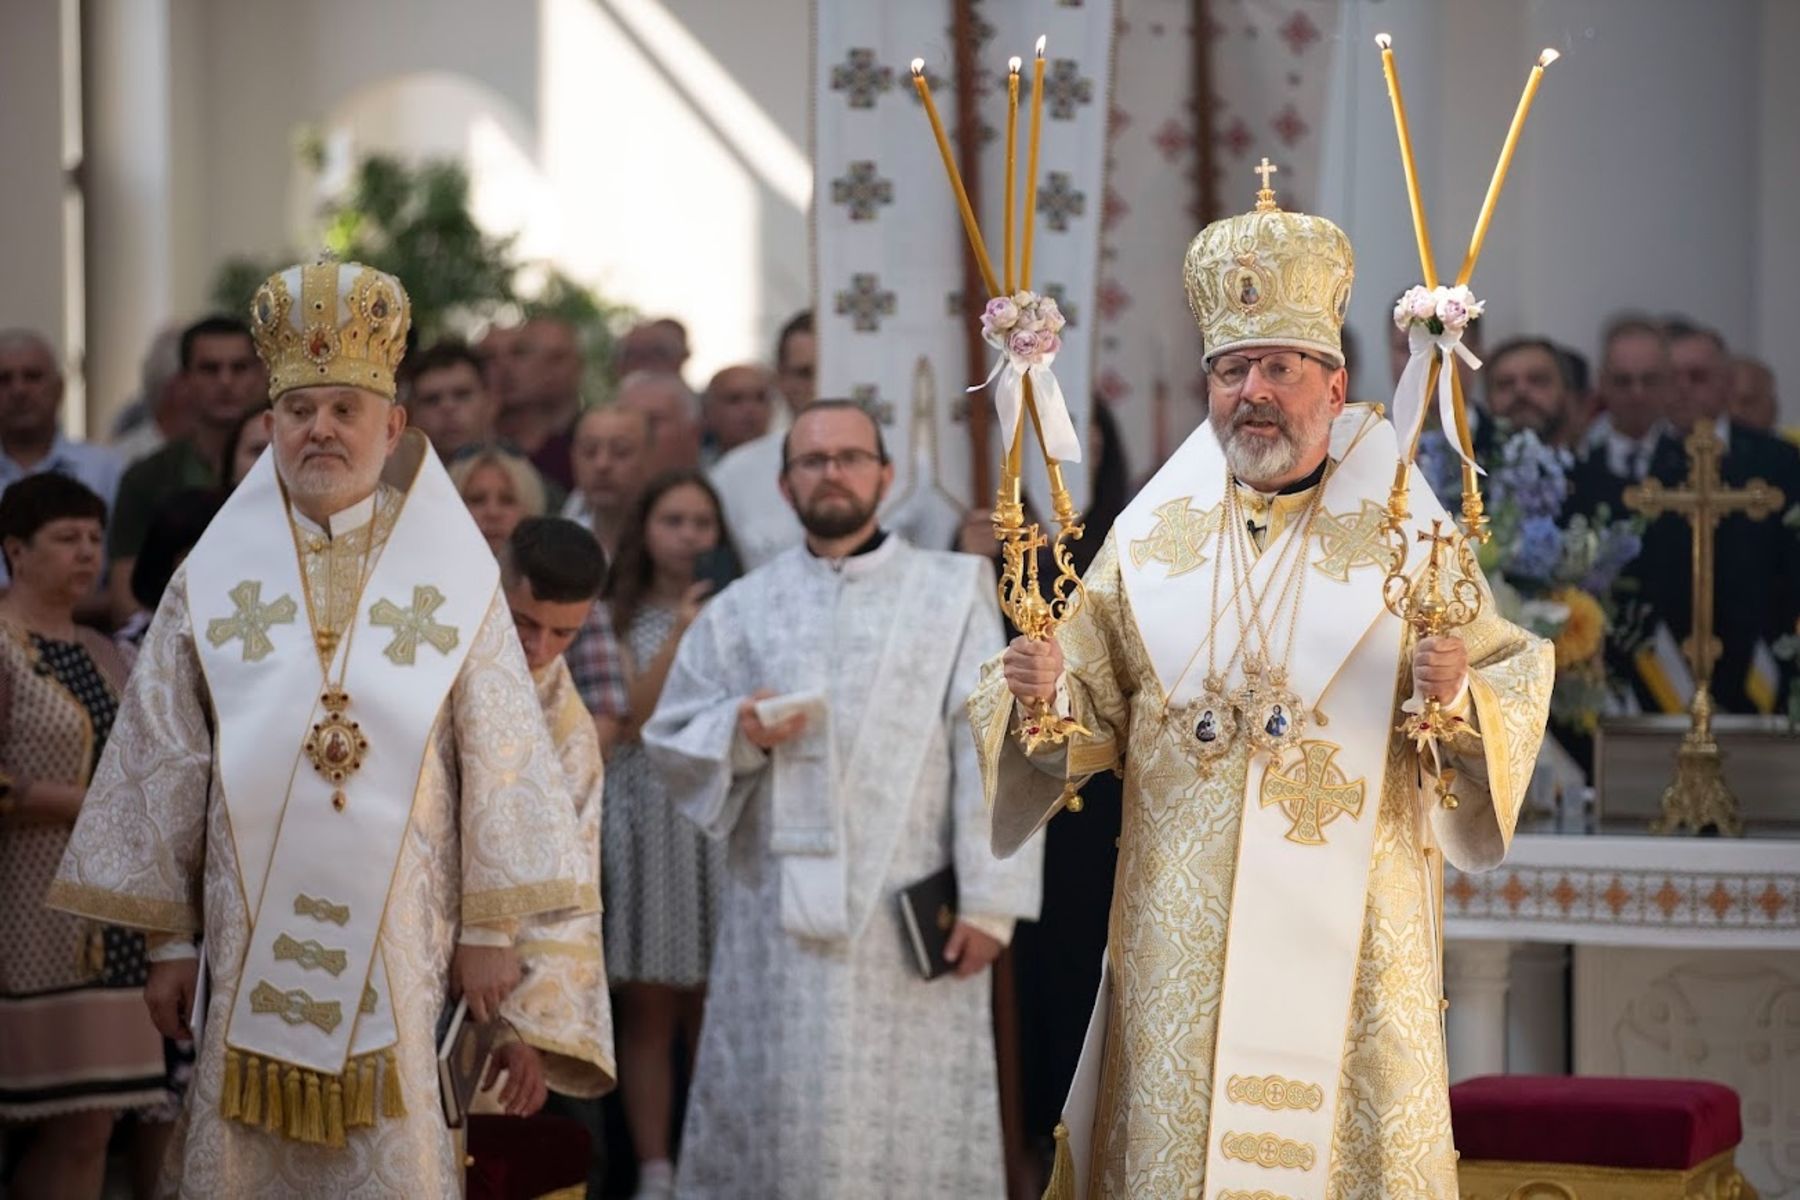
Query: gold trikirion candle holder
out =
(1032, 611)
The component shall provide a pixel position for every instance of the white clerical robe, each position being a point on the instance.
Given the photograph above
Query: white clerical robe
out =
(828, 1066)
(1152, 1112)
(489, 841)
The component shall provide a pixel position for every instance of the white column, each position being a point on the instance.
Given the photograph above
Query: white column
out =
(31, 236)
(1476, 975)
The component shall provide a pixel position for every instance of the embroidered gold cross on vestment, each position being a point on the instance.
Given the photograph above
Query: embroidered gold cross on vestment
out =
(252, 620)
(1317, 797)
(414, 625)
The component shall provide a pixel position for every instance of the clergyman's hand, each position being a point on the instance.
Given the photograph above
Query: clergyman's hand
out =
(1032, 668)
(1440, 668)
(484, 976)
(169, 995)
(970, 949)
(767, 737)
(525, 1091)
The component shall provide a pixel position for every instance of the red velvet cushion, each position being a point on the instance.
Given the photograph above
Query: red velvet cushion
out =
(1642, 1124)
(517, 1158)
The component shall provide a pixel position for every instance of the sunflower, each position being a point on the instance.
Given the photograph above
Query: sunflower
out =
(1582, 633)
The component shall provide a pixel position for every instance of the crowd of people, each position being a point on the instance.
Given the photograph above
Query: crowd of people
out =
(616, 526)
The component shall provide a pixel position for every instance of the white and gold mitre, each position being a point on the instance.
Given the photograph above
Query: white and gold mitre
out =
(331, 323)
(1270, 278)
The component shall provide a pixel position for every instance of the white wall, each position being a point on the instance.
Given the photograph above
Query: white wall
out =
(31, 220)
(1656, 172)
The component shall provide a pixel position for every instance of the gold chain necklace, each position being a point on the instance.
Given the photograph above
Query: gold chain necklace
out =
(336, 744)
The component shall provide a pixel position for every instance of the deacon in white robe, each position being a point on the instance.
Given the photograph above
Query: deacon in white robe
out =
(828, 1065)
(329, 764)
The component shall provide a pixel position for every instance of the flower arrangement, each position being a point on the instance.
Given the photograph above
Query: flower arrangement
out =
(1024, 326)
(1438, 310)
(1558, 579)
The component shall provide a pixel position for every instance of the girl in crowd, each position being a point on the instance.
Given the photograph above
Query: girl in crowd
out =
(78, 1044)
(661, 875)
(501, 489)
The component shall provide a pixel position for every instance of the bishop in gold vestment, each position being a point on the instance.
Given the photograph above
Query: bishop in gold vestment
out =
(328, 875)
(1220, 785)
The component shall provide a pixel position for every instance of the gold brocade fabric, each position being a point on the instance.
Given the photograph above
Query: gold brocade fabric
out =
(1172, 899)
(562, 1005)
(336, 567)
(154, 848)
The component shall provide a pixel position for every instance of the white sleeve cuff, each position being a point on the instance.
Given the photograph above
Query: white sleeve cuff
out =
(998, 928)
(484, 935)
(173, 950)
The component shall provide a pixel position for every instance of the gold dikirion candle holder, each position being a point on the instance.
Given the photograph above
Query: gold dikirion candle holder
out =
(1447, 595)
(1035, 612)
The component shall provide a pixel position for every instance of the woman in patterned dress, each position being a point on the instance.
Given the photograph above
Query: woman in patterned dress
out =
(661, 874)
(76, 1043)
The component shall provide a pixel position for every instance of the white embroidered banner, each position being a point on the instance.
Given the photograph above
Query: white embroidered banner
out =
(1270, 62)
(893, 323)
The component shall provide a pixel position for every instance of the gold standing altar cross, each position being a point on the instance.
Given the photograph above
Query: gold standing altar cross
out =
(1699, 799)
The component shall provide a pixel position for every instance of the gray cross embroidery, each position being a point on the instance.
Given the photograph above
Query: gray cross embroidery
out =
(1060, 200)
(863, 191)
(868, 395)
(865, 303)
(414, 625)
(861, 78)
(1065, 88)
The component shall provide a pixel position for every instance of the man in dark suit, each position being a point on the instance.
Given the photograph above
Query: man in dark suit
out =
(1756, 581)
(1636, 391)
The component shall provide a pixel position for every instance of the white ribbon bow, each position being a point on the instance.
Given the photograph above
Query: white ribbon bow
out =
(1060, 441)
(1410, 401)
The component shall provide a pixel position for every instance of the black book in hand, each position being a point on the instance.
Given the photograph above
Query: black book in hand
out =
(928, 909)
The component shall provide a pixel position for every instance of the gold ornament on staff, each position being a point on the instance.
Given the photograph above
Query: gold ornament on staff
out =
(1699, 799)
(1022, 597)
(1446, 595)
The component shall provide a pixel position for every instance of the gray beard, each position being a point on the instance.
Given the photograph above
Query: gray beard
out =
(1256, 461)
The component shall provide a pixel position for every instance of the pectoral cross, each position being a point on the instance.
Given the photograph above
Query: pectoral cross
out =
(1701, 501)
(1317, 797)
(414, 625)
(1265, 199)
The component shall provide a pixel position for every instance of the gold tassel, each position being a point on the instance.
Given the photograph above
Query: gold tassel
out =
(234, 1082)
(272, 1098)
(349, 1080)
(296, 1114)
(314, 1133)
(251, 1113)
(334, 1113)
(1062, 1172)
(392, 1105)
(365, 1092)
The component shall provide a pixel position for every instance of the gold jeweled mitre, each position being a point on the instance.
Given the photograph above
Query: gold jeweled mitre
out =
(1270, 278)
(347, 327)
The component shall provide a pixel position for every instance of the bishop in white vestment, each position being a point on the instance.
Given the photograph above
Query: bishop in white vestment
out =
(329, 762)
(828, 1065)
(1269, 1021)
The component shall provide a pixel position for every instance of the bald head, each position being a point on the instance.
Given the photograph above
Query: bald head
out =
(31, 391)
(739, 403)
(659, 346)
(1753, 401)
(673, 414)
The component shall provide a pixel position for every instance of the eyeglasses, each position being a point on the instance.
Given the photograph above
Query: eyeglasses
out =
(846, 461)
(1281, 368)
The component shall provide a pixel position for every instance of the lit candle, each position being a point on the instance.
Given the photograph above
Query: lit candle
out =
(1506, 152)
(956, 184)
(1031, 162)
(1012, 161)
(1426, 262)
